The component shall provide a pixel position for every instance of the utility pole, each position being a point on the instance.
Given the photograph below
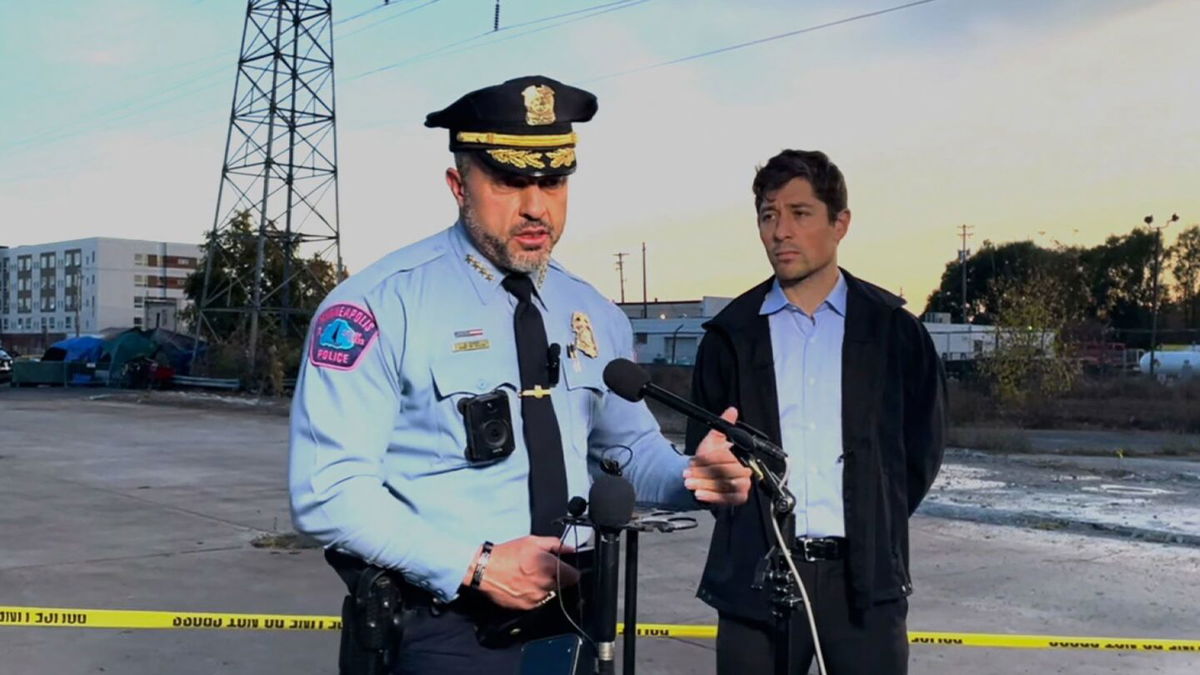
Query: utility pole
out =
(963, 254)
(1149, 220)
(496, 18)
(645, 305)
(621, 273)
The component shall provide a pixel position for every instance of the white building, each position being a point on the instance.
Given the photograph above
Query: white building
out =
(50, 291)
(669, 332)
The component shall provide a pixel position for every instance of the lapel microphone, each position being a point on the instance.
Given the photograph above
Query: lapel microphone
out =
(553, 363)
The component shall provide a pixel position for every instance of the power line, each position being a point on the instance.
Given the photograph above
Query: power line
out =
(464, 45)
(751, 43)
(97, 119)
(387, 19)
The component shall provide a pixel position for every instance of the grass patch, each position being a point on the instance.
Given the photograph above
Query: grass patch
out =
(997, 440)
(290, 541)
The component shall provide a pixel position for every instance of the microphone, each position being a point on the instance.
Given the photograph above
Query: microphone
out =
(553, 363)
(577, 506)
(632, 383)
(610, 505)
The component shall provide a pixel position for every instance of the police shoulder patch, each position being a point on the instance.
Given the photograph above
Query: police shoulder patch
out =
(341, 335)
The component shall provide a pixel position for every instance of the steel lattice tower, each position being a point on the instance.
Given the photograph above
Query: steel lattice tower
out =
(277, 203)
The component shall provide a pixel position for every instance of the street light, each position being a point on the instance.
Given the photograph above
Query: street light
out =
(1149, 220)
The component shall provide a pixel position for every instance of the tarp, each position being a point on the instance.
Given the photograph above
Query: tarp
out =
(124, 348)
(85, 349)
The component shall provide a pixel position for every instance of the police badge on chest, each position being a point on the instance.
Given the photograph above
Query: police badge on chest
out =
(488, 421)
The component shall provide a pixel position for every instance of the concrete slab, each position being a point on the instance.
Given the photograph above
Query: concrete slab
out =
(121, 506)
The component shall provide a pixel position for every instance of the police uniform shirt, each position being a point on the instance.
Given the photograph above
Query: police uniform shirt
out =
(378, 468)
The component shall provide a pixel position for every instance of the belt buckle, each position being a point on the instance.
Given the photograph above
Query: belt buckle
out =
(807, 549)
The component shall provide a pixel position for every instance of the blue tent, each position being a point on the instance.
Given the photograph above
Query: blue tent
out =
(85, 349)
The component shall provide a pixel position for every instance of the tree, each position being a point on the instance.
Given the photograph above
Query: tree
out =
(994, 267)
(1032, 361)
(1120, 274)
(1185, 267)
(292, 287)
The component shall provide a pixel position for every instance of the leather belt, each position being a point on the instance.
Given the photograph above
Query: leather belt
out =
(821, 548)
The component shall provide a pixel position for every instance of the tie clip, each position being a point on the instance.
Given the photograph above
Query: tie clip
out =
(537, 392)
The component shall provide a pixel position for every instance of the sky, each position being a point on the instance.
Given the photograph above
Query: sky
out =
(1049, 120)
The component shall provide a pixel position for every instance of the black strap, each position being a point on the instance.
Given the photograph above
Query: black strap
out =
(547, 469)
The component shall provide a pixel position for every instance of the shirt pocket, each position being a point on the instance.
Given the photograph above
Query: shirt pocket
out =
(585, 397)
(456, 378)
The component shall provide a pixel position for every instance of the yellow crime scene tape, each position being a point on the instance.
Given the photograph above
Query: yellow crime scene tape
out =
(58, 617)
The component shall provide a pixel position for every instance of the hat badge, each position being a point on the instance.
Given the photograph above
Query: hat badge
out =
(539, 105)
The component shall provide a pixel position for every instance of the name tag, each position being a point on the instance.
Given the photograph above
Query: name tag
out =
(472, 345)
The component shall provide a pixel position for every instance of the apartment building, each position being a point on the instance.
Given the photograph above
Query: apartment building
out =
(51, 291)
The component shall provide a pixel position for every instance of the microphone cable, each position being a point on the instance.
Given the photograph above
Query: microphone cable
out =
(786, 548)
(562, 605)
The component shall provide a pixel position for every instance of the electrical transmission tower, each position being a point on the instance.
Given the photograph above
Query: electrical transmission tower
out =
(275, 249)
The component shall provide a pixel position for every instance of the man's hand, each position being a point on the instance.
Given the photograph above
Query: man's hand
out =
(522, 573)
(714, 474)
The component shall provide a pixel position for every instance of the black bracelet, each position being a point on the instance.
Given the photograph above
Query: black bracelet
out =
(481, 565)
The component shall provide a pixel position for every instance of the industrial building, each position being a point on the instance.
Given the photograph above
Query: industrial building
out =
(67, 288)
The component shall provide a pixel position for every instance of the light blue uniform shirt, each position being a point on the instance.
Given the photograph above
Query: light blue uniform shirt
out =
(377, 443)
(808, 380)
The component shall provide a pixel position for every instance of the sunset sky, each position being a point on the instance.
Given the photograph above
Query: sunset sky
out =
(1050, 120)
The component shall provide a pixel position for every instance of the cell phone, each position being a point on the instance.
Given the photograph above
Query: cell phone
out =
(557, 655)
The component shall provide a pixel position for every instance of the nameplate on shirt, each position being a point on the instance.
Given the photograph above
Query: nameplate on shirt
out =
(471, 345)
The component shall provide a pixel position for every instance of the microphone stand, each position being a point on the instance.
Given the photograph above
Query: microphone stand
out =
(774, 569)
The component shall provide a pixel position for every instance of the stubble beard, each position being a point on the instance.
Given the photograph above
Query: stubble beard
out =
(497, 250)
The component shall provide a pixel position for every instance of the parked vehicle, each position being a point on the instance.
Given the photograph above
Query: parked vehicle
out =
(6, 362)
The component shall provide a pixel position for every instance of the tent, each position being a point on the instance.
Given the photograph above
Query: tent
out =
(127, 346)
(85, 349)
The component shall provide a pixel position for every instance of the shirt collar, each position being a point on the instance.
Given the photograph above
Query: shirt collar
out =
(775, 299)
(483, 273)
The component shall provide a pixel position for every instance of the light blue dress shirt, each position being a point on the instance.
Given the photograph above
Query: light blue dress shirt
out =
(377, 464)
(808, 381)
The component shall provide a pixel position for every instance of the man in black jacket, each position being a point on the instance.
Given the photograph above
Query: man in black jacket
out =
(837, 373)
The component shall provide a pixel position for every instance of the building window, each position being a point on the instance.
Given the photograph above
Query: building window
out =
(68, 322)
(47, 261)
(137, 321)
(5, 323)
(139, 302)
(53, 323)
(139, 258)
(139, 280)
(639, 338)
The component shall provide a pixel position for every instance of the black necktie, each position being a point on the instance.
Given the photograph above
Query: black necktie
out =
(547, 470)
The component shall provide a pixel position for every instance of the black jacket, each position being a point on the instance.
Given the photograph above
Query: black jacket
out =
(893, 393)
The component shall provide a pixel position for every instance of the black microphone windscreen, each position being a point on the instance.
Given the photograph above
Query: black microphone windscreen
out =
(577, 506)
(610, 502)
(626, 378)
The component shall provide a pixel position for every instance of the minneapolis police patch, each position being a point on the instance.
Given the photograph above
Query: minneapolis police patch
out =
(341, 335)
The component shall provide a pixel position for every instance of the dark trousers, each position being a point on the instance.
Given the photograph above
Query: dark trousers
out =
(870, 642)
(445, 644)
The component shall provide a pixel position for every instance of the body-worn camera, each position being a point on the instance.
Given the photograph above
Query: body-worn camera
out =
(489, 427)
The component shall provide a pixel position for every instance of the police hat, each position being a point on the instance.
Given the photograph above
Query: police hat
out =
(522, 126)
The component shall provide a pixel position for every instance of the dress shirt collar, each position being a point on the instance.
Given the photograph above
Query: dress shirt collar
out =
(775, 299)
